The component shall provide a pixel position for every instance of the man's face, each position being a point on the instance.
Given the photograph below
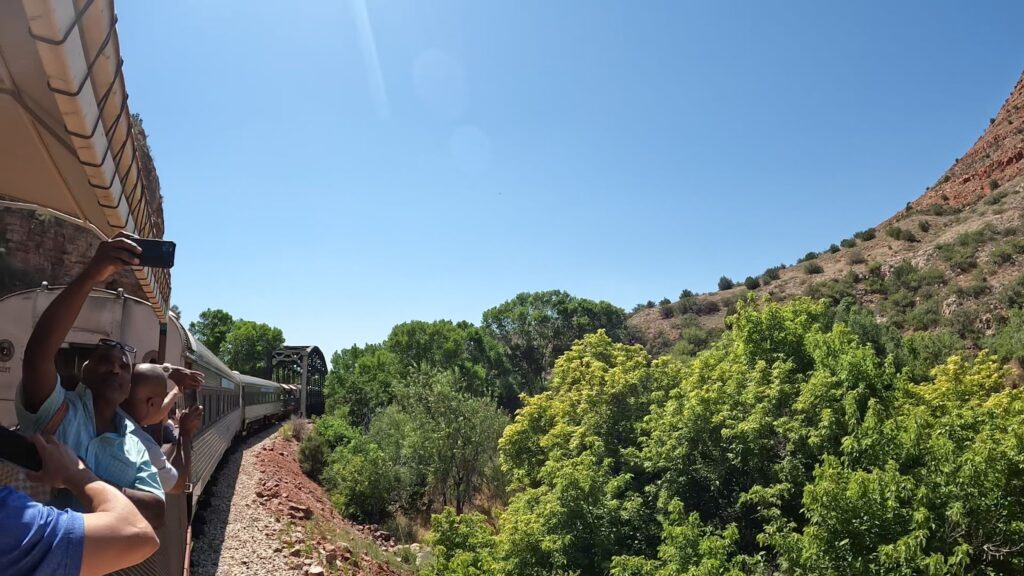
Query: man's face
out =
(108, 374)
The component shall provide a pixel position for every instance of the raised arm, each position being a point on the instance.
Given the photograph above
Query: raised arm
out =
(116, 535)
(39, 373)
(182, 462)
(185, 380)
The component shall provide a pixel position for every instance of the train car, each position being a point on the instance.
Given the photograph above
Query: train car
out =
(263, 402)
(108, 314)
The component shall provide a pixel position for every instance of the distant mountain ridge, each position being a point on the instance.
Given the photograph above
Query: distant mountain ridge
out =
(952, 260)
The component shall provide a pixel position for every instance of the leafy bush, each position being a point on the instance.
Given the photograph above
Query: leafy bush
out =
(924, 226)
(922, 351)
(1008, 341)
(751, 283)
(960, 254)
(693, 338)
(813, 268)
(686, 293)
(903, 234)
(996, 198)
(696, 305)
(664, 302)
(725, 283)
(361, 481)
(865, 235)
(1005, 252)
(1012, 295)
(808, 257)
(835, 290)
(463, 545)
(772, 274)
(313, 453)
(941, 209)
(832, 249)
(855, 256)
(848, 243)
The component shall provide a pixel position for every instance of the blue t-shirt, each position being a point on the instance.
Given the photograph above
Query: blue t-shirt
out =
(37, 539)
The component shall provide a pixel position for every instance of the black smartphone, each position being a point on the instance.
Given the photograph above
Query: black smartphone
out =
(155, 253)
(19, 450)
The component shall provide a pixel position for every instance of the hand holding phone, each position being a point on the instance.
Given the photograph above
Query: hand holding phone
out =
(155, 253)
(18, 450)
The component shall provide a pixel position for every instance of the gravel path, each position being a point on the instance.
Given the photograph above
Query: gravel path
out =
(234, 535)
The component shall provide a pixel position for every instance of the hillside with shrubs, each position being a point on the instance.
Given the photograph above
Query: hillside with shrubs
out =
(951, 264)
(857, 412)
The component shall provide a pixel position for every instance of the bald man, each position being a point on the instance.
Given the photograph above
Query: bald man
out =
(148, 403)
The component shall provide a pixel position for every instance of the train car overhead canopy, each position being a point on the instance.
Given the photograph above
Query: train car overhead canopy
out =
(68, 144)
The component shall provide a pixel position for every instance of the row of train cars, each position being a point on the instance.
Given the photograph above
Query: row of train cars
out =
(233, 403)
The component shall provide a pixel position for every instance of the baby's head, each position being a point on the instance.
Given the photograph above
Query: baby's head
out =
(149, 387)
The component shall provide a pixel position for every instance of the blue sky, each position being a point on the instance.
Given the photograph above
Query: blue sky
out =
(334, 168)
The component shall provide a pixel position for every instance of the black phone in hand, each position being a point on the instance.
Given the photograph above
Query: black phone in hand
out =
(155, 253)
(19, 450)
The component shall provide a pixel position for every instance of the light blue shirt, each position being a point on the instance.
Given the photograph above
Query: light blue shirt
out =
(37, 539)
(118, 458)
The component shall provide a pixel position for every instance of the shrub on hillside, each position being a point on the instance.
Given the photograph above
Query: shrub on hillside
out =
(832, 249)
(903, 234)
(1008, 341)
(807, 257)
(773, 273)
(865, 235)
(696, 305)
(961, 253)
(813, 268)
(1012, 295)
(725, 283)
(751, 283)
(313, 453)
(1005, 252)
(463, 545)
(848, 243)
(664, 302)
(667, 310)
(855, 256)
(686, 293)
(924, 226)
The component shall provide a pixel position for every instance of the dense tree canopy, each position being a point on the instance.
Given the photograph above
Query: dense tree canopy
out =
(244, 345)
(798, 444)
(212, 328)
(538, 327)
(249, 346)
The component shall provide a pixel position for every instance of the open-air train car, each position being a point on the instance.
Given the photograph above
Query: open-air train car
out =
(113, 315)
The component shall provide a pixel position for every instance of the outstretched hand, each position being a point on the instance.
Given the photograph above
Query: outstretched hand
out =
(112, 255)
(186, 380)
(189, 420)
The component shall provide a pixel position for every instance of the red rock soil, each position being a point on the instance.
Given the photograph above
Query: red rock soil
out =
(292, 496)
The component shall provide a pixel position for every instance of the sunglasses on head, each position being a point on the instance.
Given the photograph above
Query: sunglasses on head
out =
(115, 344)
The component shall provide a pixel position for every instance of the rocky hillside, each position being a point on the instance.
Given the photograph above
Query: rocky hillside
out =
(953, 260)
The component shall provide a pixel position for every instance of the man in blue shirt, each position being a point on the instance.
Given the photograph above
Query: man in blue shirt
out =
(42, 540)
(88, 419)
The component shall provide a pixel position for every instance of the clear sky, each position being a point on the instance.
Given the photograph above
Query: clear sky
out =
(336, 167)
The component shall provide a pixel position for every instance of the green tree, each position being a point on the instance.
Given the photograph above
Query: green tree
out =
(361, 382)
(538, 327)
(249, 346)
(463, 545)
(212, 328)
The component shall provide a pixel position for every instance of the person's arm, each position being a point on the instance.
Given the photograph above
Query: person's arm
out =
(184, 380)
(182, 462)
(39, 373)
(151, 506)
(116, 535)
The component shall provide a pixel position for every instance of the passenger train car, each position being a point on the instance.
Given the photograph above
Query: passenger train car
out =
(232, 402)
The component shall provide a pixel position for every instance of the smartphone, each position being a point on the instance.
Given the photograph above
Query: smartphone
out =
(18, 450)
(155, 253)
